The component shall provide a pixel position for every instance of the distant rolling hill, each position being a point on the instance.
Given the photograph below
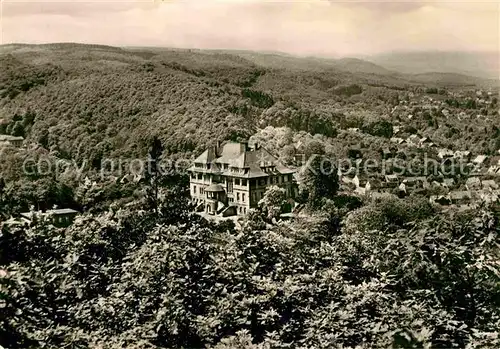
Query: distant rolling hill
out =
(278, 60)
(431, 68)
(477, 64)
(453, 80)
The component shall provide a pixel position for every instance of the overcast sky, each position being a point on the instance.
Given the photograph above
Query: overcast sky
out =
(316, 27)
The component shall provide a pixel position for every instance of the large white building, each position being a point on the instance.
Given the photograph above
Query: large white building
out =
(230, 180)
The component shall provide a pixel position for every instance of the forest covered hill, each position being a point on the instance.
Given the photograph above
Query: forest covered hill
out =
(90, 101)
(478, 64)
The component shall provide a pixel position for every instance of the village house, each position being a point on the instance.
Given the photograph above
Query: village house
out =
(426, 142)
(416, 182)
(479, 160)
(494, 170)
(11, 140)
(397, 140)
(391, 181)
(445, 153)
(230, 180)
(463, 154)
(440, 199)
(58, 217)
(489, 184)
(361, 186)
(354, 129)
(402, 190)
(473, 183)
(413, 140)
(388, 153)
(448, 182)
(460, 197)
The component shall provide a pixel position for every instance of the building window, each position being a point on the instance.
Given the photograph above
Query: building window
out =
(237, 181)
(254, 197)
(237, 196)
(244, 182)
(194, 190)
(243, 197)
(244, 210)
(202, 191)
(200, 176)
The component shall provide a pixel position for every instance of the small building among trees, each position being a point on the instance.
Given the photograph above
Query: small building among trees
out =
(11, 140)
(58, 217)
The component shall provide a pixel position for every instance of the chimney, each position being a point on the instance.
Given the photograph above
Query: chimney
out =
(218, 148)
(244, 146)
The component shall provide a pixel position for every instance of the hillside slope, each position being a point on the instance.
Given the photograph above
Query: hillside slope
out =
(91, 101)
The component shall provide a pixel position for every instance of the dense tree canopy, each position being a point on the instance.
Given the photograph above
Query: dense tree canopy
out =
(137, 279)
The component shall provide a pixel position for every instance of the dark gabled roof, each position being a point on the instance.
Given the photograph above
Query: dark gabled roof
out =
(230, 152)
(206, 157)
(242, 162)
(214, 188)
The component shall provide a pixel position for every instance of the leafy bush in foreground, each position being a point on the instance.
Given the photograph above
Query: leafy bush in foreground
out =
(133, 279)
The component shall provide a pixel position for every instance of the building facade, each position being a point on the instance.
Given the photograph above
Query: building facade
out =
(58, 217)
(230, 180)
(11, 140)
